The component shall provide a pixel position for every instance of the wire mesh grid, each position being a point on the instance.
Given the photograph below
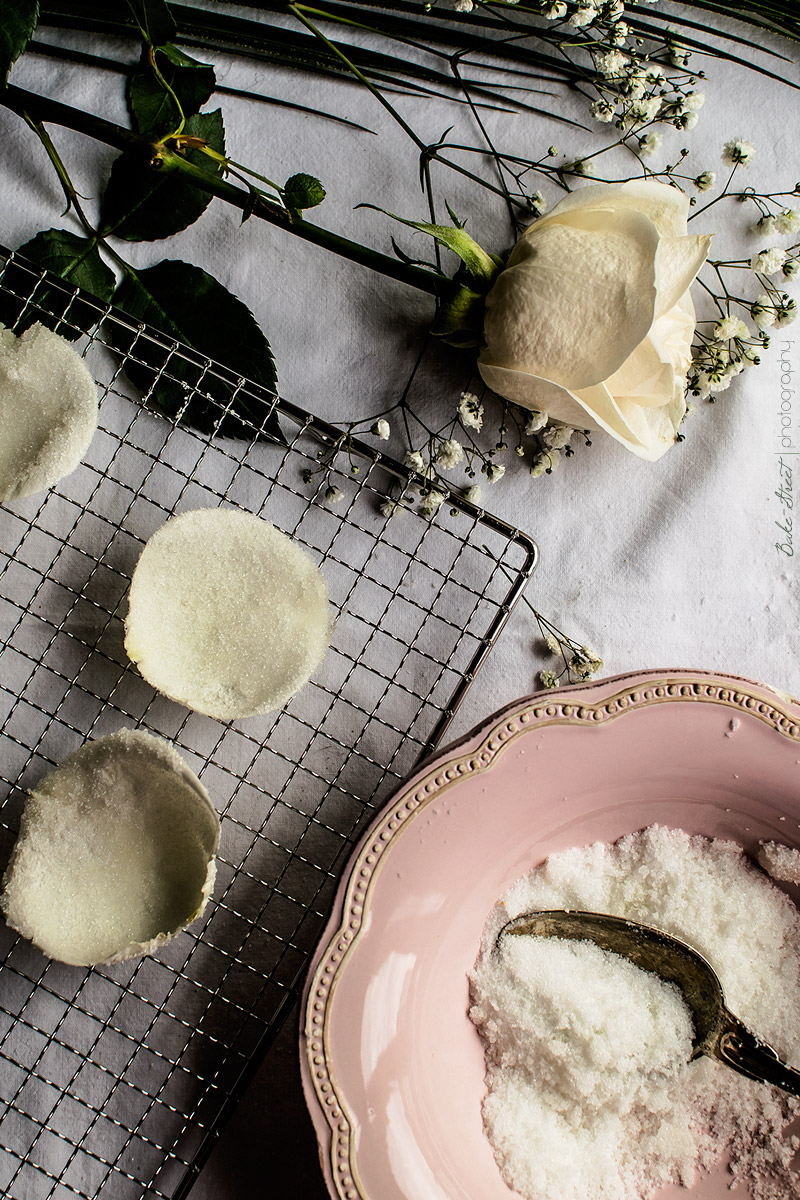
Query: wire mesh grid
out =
(114, 1080)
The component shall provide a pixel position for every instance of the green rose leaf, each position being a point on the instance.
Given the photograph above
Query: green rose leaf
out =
(153, 109)
(188, 305)
(154, 19)
(17, 23)
(74, 260)
(302, 191)
(143, 205)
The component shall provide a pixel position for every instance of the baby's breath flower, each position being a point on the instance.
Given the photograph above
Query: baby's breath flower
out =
(431, 503)
(618, 33)
(536, 422)
(701, 385)
(584, 15)
(381, 429)
(649, 108)
(649, 143)
(581, 166)
(390, 507)
(552, 643)
(556, 437)
(548, 679)
(334, 494)
(768, 262)
(738, 153)
(603, 110)
(449, 454)
(585, 663)
(705, 181)
(537, 204)
(545, 463)
(414, 461)
(611, 64)
(473, 493)
(788, 221)
(494, 471)
(730, 327)
(678, 56)
(555, 11)
(470, 411)
(790, 268)
(463, 6)
(653, 73)
(766, 225)
(614, 10)
(762, 310)
(694, 101)
(634, 87)
(786, 312)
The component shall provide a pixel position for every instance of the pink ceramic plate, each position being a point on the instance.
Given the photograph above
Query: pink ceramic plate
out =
(393, 1068)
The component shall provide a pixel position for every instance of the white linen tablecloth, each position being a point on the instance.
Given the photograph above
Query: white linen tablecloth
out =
(687, 562)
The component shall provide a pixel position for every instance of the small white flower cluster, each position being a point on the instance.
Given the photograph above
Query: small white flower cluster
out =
(449, 454)
(585, 663)
(773, 311)
(715, 366)
(738, 153)
(431, 502)
(537, 204)
(705, 181)
(470, 411)
(768, 262)
(634, 93)
(552, 441)
(581, 664)
(769, 224)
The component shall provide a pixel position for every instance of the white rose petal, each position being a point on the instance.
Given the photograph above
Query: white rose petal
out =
(591, 320)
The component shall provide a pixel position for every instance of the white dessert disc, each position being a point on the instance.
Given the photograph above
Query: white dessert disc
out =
(48, 411)
(227, 615)
(115, 853)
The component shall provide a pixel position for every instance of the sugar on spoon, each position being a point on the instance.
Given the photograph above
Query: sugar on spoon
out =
(717, 1032)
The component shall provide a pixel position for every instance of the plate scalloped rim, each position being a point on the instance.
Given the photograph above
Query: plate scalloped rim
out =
(590, 704)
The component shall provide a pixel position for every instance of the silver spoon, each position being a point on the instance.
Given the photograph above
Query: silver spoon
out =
(717, 1032)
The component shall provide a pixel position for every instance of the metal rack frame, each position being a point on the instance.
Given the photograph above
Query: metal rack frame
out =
(115, 1081)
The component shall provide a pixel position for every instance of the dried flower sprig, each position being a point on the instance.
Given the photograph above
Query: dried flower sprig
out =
(578, 663)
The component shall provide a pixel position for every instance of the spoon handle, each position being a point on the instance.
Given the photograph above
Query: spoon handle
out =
(737, 1047)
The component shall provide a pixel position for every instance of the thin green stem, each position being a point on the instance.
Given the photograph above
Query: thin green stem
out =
(154, 67)
(426, 151)
(159, 157)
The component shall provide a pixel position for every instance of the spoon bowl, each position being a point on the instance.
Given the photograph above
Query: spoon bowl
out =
(717, 1032)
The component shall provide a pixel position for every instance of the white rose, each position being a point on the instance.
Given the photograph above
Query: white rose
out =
(591, 320)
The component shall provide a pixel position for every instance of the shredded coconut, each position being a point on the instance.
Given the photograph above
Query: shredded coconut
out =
(591, 1090)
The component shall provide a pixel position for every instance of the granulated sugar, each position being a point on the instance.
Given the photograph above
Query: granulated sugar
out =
(781, 862)
(591, 1093)
(226, 613)
(48, 411)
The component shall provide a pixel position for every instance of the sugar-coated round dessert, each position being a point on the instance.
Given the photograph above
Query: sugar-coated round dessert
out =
(115, 854)
(226, 615)
(48, 411)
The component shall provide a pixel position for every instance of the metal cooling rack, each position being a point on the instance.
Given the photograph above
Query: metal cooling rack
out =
(114, 1081)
